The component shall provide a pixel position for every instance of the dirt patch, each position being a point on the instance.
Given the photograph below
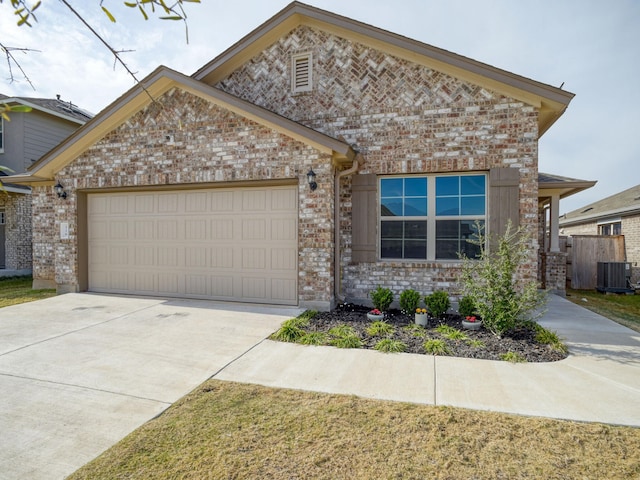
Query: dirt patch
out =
(479, 343)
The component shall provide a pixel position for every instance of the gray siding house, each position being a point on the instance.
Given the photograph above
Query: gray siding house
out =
(24, 138)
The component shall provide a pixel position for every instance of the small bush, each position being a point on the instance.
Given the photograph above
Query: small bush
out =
(500, 298)
(314, 338)
(380, 328)
(348, 341)
(466, 307)
(547, 337)
(342, 330)
(513, 357)
(437, 303)
(381, 298)
(416, 330)
(475, 343)
(436, 347)
(388, 345)
(409, 301)
(291, 330)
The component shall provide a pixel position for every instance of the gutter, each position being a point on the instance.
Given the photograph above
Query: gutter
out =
(336, 222)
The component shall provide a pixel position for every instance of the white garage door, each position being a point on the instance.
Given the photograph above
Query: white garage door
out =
(224, 244)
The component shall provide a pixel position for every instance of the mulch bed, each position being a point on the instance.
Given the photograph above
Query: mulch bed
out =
(520, 340)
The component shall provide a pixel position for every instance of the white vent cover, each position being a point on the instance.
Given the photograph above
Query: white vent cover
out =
(301, 80)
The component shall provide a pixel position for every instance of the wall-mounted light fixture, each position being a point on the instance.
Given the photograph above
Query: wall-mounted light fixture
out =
(311, 178)
(59, 189)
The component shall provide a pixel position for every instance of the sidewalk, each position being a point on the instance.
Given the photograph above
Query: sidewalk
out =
(598, 382)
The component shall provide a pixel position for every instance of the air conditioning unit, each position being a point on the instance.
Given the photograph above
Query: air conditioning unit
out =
(614, 277)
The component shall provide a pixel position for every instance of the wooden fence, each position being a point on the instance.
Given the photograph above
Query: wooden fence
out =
(583, 254)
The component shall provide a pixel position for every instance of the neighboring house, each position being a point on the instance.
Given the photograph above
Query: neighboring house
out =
(204, 193)
(618, 214)
(24, 138)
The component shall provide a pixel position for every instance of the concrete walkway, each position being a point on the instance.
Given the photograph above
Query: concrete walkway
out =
(599, 382)
(78, 372)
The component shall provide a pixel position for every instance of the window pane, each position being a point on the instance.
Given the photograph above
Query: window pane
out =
(447, 229)
(469, 230)
(469, 249)
(391, 187)
(415, 230)
(472, 205)
(391, 207)
(446, 249)
(447, 185)
(415, 187)
(415, 207)
(415, 249)
(447, 206)
(391, 230)
(391, 249)
(472, 185)
(617, 228)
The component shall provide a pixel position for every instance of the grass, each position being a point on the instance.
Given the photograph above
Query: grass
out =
(389, 345)
(623, 309)
(16, 290)
(228, 430)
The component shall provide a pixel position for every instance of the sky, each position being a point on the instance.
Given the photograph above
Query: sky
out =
(591, 47)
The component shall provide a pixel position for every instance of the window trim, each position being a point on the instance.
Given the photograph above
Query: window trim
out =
(298, 61)
(431, 217)
(1, 135)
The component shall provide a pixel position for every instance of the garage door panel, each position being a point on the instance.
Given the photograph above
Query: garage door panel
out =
(228, 244)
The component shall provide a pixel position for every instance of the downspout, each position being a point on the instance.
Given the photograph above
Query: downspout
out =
(336, 215)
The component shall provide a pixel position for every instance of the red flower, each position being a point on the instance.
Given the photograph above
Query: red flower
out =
(375, 311)
(470, 319)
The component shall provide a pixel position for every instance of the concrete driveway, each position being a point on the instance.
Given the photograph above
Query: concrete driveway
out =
(78, 372)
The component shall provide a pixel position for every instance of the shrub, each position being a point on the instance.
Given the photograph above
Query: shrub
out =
(348, 341)
(547, 337)
(490, 281)
(513, 357)
(466, 307)
(416, 330)
(390, 346)
(436, 347)
(409, 301)
(314, 338)
(380, 328)
(291, 330)
(342, 330)
(381, 298)
(437, 303)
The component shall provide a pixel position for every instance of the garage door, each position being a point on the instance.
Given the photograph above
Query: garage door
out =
(224, 244)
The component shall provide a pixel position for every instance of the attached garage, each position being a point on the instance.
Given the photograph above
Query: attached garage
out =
(232, 244)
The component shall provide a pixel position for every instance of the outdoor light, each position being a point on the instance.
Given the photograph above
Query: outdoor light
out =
(59, 189)
(311, 178)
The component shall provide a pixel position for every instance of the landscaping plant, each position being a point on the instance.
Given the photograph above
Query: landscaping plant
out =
(466, 307)
(438, 303)
(389, 345)
(409, 301)
(381, 298)
(490, 282)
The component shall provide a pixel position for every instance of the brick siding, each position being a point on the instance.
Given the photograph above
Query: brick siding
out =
(17, 209)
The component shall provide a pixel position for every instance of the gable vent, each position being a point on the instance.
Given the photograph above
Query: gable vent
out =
(301, 73)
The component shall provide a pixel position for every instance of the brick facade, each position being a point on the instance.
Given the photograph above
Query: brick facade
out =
(405, 119)
(212, 147)
(17, 208)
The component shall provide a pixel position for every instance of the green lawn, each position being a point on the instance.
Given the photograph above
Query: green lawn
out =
(624, 309)
(15, 290)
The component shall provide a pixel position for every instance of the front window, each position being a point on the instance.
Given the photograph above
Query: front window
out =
(431, 217)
